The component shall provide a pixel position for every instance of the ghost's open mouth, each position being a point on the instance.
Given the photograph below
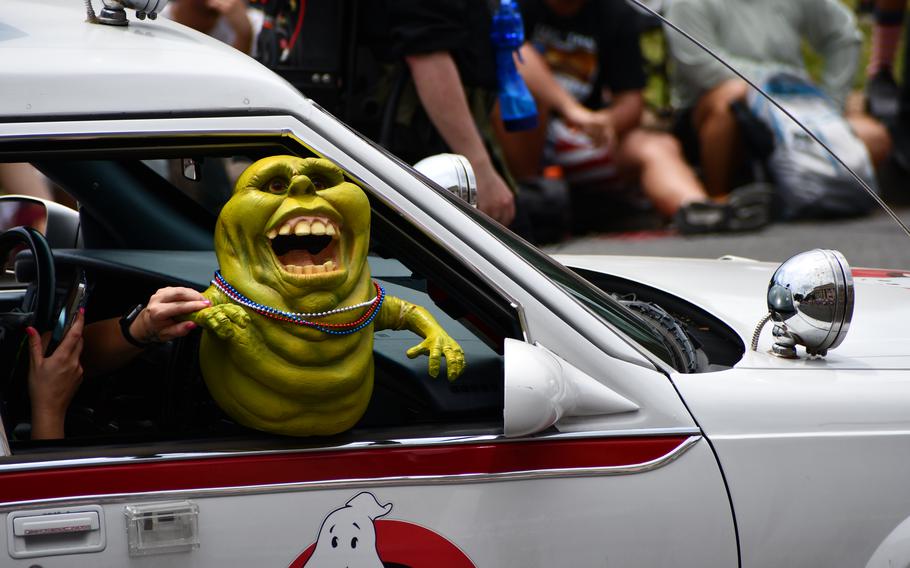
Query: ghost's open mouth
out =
(306, 245)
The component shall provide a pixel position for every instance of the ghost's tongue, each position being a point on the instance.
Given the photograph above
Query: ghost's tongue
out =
(296, 257)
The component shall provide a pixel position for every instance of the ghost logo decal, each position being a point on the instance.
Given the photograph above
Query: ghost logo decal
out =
(355, 536)
(347, 536)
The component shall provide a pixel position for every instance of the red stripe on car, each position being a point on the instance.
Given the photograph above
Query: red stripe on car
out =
(318, 466)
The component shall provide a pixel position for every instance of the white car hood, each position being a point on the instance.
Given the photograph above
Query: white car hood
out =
(734, 291)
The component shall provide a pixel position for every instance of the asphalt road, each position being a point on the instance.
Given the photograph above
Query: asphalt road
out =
(873, 241)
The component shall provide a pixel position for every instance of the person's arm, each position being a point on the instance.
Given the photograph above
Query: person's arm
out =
(161, 320)
(625, 111)
(24, 179)
(549, 93)
(53, 380)
(442, 95)
(831, 30)
(235, 13)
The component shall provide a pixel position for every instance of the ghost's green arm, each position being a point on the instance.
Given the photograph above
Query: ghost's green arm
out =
(395, 313)
(223, 318)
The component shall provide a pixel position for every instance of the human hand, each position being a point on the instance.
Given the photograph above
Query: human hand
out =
(53, 380)
(598, 125)
(161, 319)
(493, 195)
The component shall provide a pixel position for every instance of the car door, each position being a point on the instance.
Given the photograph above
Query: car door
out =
(437, 474)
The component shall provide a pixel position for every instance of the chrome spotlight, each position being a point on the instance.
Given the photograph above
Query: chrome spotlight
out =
(113, 12)
(810, 299)
(453, 172)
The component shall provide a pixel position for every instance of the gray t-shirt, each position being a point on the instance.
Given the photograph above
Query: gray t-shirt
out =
(759, 37)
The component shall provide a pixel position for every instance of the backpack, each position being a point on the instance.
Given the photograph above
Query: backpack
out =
(810, 182)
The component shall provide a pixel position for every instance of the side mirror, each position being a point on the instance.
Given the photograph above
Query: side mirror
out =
(453, 172)
(541, 389)
(58, 223)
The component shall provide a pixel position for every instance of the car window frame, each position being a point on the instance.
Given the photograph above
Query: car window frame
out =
(5, 449)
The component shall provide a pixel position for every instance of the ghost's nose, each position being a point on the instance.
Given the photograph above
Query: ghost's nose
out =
(302, 185)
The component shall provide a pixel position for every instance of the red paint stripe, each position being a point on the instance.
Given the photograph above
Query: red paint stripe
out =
(254, 470)
(879, 273)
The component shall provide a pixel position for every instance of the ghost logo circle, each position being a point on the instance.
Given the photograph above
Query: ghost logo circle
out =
(355, 536)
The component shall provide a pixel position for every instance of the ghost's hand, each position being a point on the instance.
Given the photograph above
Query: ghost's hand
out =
(437, 344)
(398, 314)
(224, 320)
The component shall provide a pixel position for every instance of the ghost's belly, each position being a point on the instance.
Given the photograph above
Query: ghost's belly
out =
(274, 381)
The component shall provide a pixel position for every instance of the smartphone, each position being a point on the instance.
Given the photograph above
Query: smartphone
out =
(74, 301)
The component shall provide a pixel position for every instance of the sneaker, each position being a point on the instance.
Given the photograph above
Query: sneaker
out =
(747, 208)
(701, 217)
(882, 96)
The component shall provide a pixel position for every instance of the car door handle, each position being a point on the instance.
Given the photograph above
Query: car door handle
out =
(54, 532)
(56, 524)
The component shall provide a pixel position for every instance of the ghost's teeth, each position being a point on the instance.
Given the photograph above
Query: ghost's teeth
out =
(329, 265)
(302, 229)
(330, 230)
(309, 269)
(296, 269)
(285, 229)
(272, 233)
(317, 268)
(318, 228)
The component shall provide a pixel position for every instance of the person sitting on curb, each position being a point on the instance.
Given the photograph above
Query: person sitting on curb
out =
(584, 66)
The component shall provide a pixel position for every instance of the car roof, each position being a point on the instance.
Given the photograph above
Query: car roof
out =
(55, 63)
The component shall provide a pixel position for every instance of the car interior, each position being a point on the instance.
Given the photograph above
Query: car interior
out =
(145, 218)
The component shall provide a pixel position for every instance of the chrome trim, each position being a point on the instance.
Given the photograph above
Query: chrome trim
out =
(4, 443)
(406, 443)
(113, 498)
(523, 322)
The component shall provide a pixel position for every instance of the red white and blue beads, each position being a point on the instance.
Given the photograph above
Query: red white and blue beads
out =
(303, 318)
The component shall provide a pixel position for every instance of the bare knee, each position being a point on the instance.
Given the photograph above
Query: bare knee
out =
(645, 147)
(874, 135)
(715, 103)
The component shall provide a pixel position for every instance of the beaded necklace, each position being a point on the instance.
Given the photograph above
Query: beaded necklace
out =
(301, 318)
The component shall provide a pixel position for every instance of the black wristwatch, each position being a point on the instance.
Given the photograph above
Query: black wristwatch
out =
(125, 323)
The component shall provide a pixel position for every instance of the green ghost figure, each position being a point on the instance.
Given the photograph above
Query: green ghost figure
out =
(292, 247)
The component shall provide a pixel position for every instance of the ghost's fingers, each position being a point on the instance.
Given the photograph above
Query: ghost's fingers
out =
(237, 315)
(454, 362)
(219, 323)
(419, 349)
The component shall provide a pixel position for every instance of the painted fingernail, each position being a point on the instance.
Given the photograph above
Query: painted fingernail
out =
(82, 310)
(207, 302)
(191, 325)
(30, 330)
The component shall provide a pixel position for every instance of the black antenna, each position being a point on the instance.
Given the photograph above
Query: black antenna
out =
(812, 135)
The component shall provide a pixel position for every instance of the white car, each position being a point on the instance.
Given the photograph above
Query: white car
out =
(587, 430)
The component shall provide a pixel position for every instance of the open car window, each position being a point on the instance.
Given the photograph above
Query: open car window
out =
(145, 225)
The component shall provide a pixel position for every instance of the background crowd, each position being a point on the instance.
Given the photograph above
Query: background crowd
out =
(599, 157)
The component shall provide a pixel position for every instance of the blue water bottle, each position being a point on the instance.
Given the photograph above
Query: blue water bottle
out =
(516, 104)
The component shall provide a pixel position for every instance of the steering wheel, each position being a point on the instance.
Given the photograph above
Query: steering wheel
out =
(42, 301)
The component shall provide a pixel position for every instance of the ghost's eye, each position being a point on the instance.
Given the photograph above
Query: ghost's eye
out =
(319, 182)
(334, 542)
(277, 185)
(354, 542)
